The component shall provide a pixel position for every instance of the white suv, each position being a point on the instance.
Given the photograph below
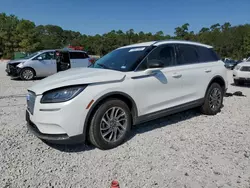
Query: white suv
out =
(129, 85)
(241, 73)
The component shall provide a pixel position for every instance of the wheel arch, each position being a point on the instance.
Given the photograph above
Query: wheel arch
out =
(112, 95)
(217, 79)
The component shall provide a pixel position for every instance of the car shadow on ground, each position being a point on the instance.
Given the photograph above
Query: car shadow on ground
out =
(164, 121)
(19, 79)
(74, 148)
(137, 129)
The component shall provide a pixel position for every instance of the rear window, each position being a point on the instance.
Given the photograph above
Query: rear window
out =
(187, 54)
(207, 54)
(78, 55)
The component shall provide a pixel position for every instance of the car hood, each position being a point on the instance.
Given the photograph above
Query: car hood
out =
(76, 76)
(17, 61)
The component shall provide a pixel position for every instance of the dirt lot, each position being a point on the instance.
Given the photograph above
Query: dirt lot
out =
(184, 150)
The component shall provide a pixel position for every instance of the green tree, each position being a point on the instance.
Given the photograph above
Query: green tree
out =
(27, 36)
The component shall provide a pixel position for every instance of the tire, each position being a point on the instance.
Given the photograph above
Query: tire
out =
(97, 136)
(27, 74)
(238, 82)
(207, 107)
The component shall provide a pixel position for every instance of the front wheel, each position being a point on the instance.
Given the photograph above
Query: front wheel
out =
(110, 124)
(213, 100)
(27, 74)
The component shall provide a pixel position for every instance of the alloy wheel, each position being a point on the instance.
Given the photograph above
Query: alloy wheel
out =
(27, 74)
(113, 124)
(215, 99)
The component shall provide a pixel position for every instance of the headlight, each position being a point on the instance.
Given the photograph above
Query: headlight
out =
(62, 94)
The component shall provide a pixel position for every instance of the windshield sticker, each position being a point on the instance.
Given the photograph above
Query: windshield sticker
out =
(123, 67)
(136, 49)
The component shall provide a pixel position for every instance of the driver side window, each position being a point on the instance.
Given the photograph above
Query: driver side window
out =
(164, 53)
(46, 56)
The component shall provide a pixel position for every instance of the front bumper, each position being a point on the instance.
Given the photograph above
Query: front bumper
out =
(12, 70)
(58, 121)
(241, 76)
(53, 138)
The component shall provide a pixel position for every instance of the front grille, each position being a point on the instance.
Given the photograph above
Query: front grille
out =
(31, 98)
(11, 68)
(245, 69)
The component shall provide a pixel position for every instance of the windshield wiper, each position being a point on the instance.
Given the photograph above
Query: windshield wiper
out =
(103, 66)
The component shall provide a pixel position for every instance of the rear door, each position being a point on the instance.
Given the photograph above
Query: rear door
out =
(79, 59)
(191, 71)
(196, 69)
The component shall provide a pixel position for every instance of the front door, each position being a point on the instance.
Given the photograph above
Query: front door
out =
(44, 64)
(161, 90)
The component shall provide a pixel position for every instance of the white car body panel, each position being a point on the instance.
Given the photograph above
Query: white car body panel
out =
(150, 93)
(241, 74)
(75, 76)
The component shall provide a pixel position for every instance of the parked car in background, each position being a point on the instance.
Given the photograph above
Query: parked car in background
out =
(130, 85)
(230, 63)
(241, 73)
(43, 63)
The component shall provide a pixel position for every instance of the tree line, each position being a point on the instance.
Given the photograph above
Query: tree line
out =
(23, 35)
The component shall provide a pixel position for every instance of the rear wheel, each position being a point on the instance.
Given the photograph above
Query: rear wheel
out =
(213, 100)
(27, 74)
(110, 124)
(238, 82)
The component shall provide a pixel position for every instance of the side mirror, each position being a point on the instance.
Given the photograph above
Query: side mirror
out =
(40, 58)
(152, 64)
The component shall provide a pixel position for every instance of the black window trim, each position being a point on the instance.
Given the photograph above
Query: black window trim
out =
(177, 53)
(197, 51)
(155, 47)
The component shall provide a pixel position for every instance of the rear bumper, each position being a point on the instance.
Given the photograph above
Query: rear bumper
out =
(53, 138)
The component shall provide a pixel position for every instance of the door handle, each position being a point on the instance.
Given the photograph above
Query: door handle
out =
(176, 75)
(208, 70)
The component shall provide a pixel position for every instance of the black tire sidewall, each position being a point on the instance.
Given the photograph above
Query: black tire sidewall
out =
(206, 107)
(95, 124)
(21, 74)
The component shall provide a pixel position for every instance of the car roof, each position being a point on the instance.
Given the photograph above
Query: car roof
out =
(157, 43)
(64, 49)
(245, 63)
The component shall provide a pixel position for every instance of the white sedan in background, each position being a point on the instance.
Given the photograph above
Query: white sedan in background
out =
(241, 73)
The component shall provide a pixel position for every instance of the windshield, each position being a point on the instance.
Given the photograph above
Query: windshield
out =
(31, 55)
(124, 59)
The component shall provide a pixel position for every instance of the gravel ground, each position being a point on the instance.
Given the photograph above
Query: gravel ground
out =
(184, 150)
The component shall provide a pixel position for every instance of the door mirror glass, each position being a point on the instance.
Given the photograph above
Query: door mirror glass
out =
(154, 63)
(40, 58)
